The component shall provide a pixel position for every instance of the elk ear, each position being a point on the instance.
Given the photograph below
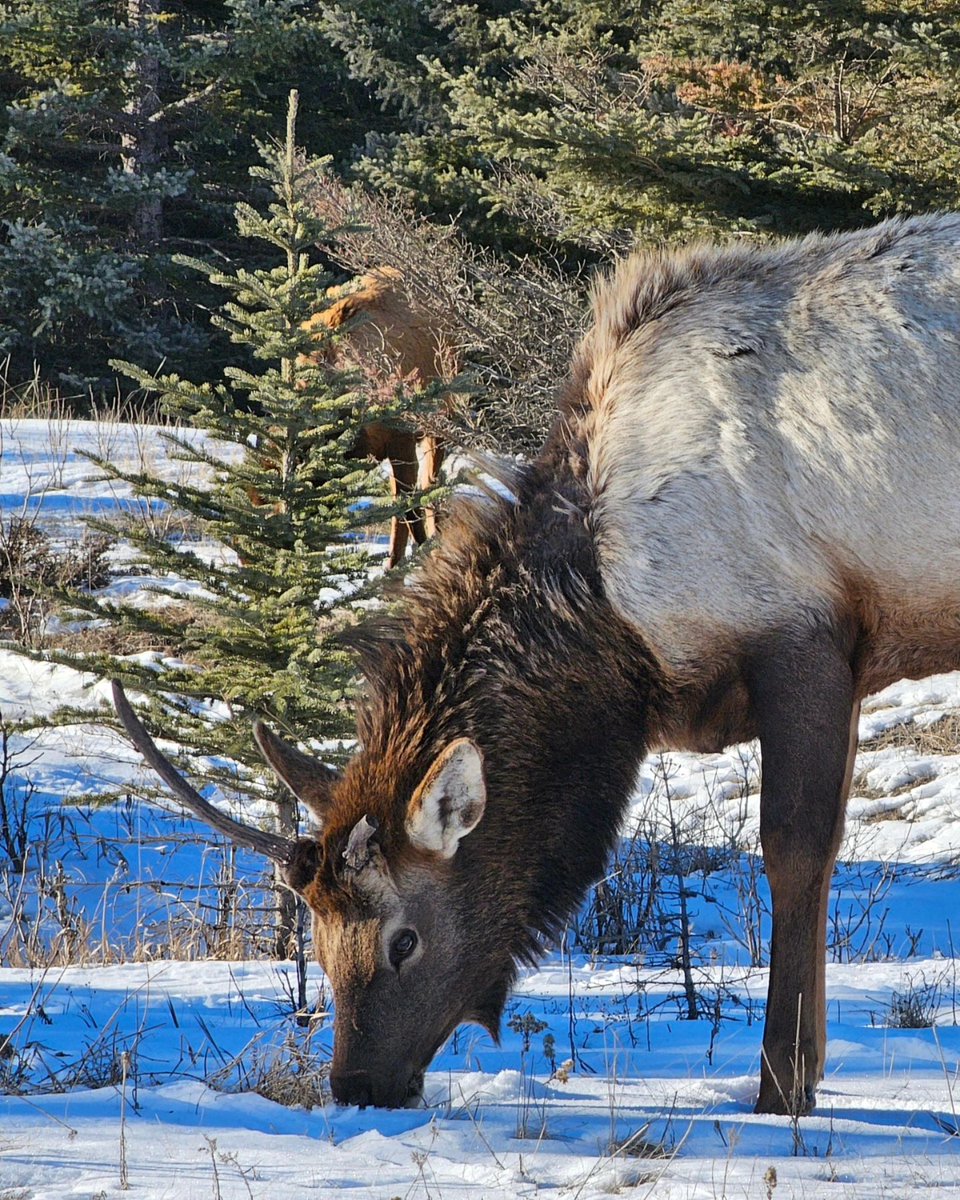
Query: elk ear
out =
(307, 777)
(450, 801)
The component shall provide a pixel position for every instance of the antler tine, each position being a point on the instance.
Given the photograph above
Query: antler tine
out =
(271, 845)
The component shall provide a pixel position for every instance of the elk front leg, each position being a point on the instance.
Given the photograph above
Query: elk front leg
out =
(802, 699)
(403, 479)
(429, 458)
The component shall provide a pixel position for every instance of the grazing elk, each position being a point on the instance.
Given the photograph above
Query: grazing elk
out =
(386, 328)
(744, 519)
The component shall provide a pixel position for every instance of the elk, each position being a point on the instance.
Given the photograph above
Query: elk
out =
(743, 521)
(385, 328)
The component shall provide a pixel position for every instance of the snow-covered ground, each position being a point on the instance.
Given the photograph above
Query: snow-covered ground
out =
(162, 1075)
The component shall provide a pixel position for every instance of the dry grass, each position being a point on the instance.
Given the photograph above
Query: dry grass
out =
(864, 791)
(940, 737)
(107, 639)
(34, 399)
(637, 1145)
(93, 637)
(293, 1073)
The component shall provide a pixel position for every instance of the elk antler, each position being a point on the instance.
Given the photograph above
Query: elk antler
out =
(270, 845)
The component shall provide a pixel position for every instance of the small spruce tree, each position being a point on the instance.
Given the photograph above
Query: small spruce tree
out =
(278, 561)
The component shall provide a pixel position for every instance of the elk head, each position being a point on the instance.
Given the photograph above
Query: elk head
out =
(393, 922)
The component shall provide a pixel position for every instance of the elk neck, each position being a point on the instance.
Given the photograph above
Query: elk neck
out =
(506, 638)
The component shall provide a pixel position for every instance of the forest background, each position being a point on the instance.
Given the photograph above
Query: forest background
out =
(549, 133)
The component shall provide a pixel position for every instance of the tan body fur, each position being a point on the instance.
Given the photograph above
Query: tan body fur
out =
(386, 334)
(783, 441)
(767, 440)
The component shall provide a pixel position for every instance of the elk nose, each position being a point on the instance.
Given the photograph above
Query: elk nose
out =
(352, 1087)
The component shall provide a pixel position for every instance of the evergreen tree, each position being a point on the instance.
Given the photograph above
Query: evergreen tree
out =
(126, 138)
(576, 126)
(284, 495)
(276, 515)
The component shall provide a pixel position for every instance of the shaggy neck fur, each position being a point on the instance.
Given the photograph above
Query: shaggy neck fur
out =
(506, 638)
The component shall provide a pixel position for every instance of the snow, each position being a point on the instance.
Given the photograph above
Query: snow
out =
(495, 1126)
(127, 1068)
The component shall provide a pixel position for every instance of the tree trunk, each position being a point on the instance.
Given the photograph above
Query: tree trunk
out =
(141, 145)
(285, 932)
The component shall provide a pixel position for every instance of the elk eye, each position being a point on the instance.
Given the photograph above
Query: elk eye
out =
(403, 945)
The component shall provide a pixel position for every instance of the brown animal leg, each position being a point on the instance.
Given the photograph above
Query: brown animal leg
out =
(429, 458)
(403, 479)
(803, 705)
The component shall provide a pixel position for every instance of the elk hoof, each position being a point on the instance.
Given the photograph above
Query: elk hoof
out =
(773, 1102)
(415, 1092)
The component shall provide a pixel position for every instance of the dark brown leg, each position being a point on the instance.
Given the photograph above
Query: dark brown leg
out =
(803, 705)
(403, 480)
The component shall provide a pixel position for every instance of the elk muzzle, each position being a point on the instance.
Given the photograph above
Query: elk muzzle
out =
(364, 1088)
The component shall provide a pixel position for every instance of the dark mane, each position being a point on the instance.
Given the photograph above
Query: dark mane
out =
(418, 659)
(504, 636)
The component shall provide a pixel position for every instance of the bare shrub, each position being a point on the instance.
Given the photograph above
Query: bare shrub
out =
(31, 566)
(86, 564)
(17, 792)
(622, 915)
(857, 918)
(56, 917)
(916, 1005)
(511, 323)
(641, 906)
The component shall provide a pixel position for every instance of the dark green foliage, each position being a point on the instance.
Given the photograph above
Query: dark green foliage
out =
(274, 518)
(126, 136)
(559, 129)
(583, 127)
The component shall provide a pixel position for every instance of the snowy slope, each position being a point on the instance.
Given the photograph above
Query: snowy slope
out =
(144, 1071)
